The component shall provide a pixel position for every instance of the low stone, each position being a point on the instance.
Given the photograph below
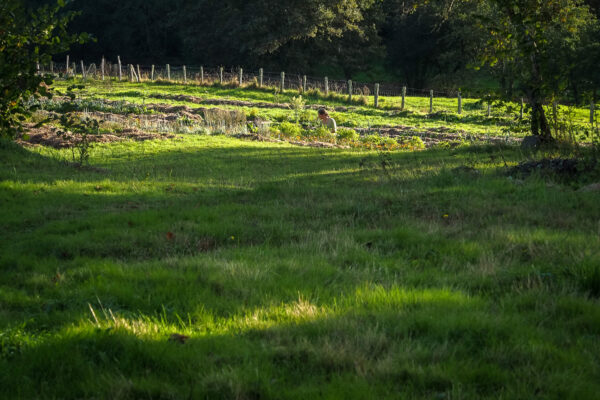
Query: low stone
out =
(531, 143)
(594, 187)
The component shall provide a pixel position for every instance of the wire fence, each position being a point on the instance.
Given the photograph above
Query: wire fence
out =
(261, 78)
(197, 74)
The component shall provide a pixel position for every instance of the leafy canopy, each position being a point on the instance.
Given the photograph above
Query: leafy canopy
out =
(27, 38)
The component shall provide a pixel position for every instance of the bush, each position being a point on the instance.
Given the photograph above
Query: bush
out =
(347, 135)
(252, 114)
(289, 129)
(322, 134)
(413, 143)
(297, 104)
(378, 142)
(370, 140)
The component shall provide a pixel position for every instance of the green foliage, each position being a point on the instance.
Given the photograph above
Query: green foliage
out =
(413, 143)
(529, 37)
(347, 135)
(297, 105)
(26, 39)
(321, 134)
(290, 129)
(80, 128)
(252, 114)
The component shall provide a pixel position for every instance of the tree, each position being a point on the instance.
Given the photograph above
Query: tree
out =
(270, 32)
(530, 34)
(26, 39)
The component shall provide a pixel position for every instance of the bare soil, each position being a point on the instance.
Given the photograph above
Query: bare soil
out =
(48, 135)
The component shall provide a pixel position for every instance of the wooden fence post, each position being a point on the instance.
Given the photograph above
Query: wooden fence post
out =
(403, 97)
(430, 101)
(221, 75)
(282, 81)
(184, 75)
(152, 73)
(350, 90)
(120, 69)
(522, 108)
(241, 77)
(304, 84)
(131, 72)
(169, 72)
(201, 75)
(67, 67)
(74, 68)
(459, 103)
(376, 95)
(102, 65)
(326, 86)
(139, 74)
(260, 77)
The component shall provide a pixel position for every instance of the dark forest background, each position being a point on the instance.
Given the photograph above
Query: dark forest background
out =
(434, 45)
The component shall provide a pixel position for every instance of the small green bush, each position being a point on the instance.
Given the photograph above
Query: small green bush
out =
(323, 134)
(289, 129)
(413, 143)
(252, 114)
(370, 140)
(347, 135)
(274, 132)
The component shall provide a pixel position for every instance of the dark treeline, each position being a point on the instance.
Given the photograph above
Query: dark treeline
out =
(434, 45)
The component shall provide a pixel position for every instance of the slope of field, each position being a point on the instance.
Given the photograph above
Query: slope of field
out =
(212, 267)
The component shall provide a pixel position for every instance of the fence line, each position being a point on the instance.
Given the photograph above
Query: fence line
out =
(199, 73)
(261, 78)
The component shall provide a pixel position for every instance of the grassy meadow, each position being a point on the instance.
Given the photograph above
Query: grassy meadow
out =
(211, 267)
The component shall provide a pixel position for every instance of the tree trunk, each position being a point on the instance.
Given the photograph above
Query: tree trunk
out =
(574, 88)
(539, 122)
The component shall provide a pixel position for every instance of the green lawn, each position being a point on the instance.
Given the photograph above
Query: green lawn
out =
(296, 273)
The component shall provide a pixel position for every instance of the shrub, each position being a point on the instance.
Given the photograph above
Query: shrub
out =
(297, 105)
(388, 143)
(289, 129)
(323, 134)
(252, 114)
(413, 143)
(274, 132)
(347, 135)
(370, 141)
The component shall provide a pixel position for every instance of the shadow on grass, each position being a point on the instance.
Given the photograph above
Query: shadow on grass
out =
(376, 343)
(318, 207)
